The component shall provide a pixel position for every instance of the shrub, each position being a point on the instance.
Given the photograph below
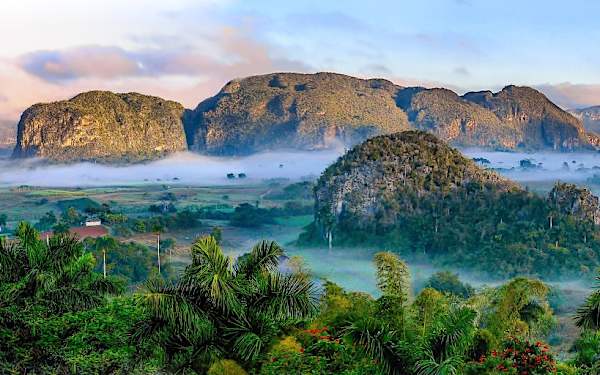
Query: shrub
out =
(226, 367)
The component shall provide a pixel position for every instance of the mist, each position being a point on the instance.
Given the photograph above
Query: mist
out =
(182, 168)
(576, 167)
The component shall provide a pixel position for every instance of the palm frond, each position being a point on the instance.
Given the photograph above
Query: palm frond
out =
(264, 257)
(429, 366)
(452, 333)
(166, 304)
(377, 340)
(286, 296)
(588, 315)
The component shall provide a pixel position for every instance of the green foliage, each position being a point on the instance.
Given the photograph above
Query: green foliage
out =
(226, 367)
(587, 349)
(224, 309)
(411, 193)
(588, 315)
(393, 278)
(448, 282)
(39, 282)
(130, 261)
(217, 234)
(79, 204)
(249, 216)
(47, 221)
(520, 308)
(96, 341)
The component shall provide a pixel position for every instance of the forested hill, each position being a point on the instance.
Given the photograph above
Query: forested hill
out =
(412, 193)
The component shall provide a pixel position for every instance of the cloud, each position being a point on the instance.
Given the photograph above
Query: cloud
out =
(85, 61)
(177, 71)
(571, 95)
(233, 54)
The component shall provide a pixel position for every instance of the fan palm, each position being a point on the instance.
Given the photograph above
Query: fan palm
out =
(224, 308)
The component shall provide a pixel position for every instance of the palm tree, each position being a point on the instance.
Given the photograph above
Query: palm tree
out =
(222, 308)
(157, 229)
(38, 280)
(588, 315)
(57, 275)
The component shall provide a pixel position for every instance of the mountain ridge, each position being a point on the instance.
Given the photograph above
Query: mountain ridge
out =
(299, 111)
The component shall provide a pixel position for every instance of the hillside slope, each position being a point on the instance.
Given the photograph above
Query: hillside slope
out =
(311, 111)
(292, 111)
(590, 117)
(412, 193)
(289, 110)
(101, 125)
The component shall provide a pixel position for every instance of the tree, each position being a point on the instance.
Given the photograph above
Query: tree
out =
(393, 277)
(3, 219)
(47, 221)
(39, 280)
(249, 216)
(224, 309)
(588, 315)
(520, 308)
(217, 234)
(448, 282)
(72, 217)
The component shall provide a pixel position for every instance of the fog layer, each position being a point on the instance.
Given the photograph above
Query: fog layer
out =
(183, 168)
(193, 169)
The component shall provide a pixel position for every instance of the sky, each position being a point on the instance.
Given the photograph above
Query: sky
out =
(187, 50)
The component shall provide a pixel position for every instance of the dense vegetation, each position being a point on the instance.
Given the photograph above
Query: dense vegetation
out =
(412, 193)
(57, 315)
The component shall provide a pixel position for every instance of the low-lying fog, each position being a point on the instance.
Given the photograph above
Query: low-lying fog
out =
(543, 166)
(193, 169)
(185, 168)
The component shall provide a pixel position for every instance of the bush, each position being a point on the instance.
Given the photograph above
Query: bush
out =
(518, 355)
(448, 282)
(249, 216)
(226, 367)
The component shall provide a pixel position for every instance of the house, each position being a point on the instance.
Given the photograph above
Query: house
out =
(93, 222)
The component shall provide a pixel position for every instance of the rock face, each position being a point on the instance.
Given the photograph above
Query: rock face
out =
(536, 121)
(292, 111)
(103, 126)
(590, 117)
(454, 119)
(568, 199)
(288, 110)
(385, 175)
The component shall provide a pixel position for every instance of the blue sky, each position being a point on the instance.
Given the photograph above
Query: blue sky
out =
(186, 50)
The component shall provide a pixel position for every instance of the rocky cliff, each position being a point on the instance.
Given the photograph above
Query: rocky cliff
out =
(288, 110)
(535, 120)
(292, 111)
(310, 111)
(101, 125)
(369, 185)
(569, 199)
(590, 117)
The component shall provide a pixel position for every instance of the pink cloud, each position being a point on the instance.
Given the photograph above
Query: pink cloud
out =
(185, 75)
(570, 95)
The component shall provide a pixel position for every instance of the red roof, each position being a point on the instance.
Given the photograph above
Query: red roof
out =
(81, 232)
